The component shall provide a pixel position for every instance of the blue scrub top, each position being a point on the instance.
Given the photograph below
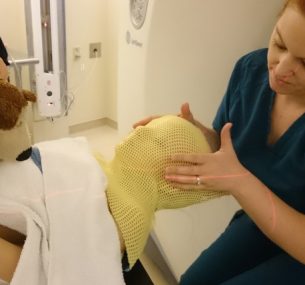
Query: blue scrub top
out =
(247, 104)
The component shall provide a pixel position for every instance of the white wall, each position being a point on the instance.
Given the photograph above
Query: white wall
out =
(132, 54)
(111, 54)
(93, 81)
(193, 46)
(12, 27)
(13, 32)
(86, 23)
(189, 49)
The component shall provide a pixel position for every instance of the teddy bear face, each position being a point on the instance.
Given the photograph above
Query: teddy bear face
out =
(11, 103)
(14, 133)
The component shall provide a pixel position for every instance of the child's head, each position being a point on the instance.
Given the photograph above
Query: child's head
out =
(137, 187)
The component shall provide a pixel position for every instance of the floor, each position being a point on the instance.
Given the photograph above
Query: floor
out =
(103, 139)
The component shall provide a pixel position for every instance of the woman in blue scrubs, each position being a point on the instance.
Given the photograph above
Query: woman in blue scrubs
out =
(258, 139)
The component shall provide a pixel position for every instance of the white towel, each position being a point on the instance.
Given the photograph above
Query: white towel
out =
(71, 236)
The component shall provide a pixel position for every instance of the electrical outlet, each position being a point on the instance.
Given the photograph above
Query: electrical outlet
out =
(76, 52)
(95, 50)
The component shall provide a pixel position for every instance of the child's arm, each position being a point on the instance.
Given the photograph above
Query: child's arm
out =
(11, 235)
(11, 243)
(9, 257)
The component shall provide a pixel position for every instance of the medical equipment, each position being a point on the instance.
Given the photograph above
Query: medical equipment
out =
(136, 184)
(45, 21)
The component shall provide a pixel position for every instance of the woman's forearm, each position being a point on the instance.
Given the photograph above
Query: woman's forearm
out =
(9, 257)
(281, 223)
(222, 170)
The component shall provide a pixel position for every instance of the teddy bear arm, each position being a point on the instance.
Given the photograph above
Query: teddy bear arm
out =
(29, 96)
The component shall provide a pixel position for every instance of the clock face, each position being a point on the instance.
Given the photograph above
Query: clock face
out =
(138, 10)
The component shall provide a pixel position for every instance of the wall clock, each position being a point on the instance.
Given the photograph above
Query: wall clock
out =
(138, 10)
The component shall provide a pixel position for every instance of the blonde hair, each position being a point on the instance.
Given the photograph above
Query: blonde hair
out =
(299, 4)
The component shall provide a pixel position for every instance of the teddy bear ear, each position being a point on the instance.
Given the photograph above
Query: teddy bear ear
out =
(29, 96)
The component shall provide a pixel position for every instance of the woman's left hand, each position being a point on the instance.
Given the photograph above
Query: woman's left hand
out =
(212, 171)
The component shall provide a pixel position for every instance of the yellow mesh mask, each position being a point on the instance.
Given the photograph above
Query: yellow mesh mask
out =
(137, 187)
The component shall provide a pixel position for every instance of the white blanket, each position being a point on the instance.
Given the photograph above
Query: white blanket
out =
(71, 236)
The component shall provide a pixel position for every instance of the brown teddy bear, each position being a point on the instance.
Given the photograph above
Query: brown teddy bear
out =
(15, 139)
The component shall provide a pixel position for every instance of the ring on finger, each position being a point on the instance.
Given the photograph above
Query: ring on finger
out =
(198, 180)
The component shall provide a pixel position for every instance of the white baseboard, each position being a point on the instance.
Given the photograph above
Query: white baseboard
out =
(93, 124)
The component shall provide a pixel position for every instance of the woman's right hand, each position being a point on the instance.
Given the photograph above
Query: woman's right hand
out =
(185, 114)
